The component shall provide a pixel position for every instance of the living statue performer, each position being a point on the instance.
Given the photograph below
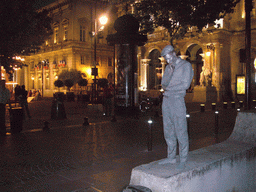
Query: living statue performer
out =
(176, 80)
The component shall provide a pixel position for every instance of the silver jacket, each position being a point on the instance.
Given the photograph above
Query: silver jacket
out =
(176, 80)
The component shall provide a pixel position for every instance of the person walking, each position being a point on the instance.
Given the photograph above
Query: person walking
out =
(24, 101)
(5, 96)
(176, 80)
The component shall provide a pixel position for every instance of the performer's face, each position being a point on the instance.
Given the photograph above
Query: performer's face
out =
(170, 57)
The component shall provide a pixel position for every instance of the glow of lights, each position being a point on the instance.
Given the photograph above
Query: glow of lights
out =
(143, 88)
(216, 112)
(33, 78)
(11, 83)
(208, 53)
(187, 115)
(150, 121)
(18, 58)
(103, 20)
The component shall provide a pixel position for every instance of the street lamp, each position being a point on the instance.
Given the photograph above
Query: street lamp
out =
(102, 21)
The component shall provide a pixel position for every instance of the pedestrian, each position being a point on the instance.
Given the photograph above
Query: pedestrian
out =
(23, 101)
(176, 80)
(17, 93)
(4, 99)
(30, 93)
(107, 99)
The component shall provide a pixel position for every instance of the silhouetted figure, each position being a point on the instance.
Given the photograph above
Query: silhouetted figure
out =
(23, 101)
(4, 99)
(107, 99)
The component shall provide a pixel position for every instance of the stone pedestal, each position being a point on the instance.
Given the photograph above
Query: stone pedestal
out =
(226, 166)
(204, 94)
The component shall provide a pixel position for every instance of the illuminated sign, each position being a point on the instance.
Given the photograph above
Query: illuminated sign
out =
(240, 84)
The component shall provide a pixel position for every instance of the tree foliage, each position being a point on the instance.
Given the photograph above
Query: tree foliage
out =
(177, 15)
(83, 82)
(72, 74)
(22, 29)
(58, 83)
(68, 83)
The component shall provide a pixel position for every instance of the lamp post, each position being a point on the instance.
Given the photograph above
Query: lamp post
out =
(102, 20)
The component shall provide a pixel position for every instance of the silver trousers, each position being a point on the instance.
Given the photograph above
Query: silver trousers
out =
(175, 127)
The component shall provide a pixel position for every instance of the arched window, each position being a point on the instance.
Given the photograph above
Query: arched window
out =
(155, 70)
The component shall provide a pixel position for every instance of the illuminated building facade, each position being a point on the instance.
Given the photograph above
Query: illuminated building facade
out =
(71, 46)
(217, 54)
(217, 57)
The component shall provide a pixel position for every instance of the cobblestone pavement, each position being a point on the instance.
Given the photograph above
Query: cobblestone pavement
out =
(98, 157)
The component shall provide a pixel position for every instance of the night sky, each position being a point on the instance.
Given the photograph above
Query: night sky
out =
(42, 3)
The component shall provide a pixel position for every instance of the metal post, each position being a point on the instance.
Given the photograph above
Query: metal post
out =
(42, 78)
(188, 120)
(150, 134)
(202, 107)
(213, 106)
(248, 9)
(216, 131)
(225, 105)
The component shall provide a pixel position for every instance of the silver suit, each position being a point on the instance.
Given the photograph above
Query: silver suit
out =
(176, 80)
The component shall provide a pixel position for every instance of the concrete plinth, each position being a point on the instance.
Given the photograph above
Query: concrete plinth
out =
(204, 94)
(227, 166)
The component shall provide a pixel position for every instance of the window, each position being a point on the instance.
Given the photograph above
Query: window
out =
(56, 34)
(97, 60)
(109, 61)
(32, 65)
(82, 60)
(82, 33)
(65, 28)
(47, 81)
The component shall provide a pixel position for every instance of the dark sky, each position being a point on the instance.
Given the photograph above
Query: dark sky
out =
(42, 3)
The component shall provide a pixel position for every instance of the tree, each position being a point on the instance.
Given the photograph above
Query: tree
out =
(72, 74)
(59, 84)
(178, 15)
(23, 29)
(68, 83)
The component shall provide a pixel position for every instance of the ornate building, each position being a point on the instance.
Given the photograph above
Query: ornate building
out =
(216, 54)
(72, 45)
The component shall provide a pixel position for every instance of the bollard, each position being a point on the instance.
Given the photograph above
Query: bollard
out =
(16, 119)
(233, 104)
(240, 104)
(213, 106)
(187, 117)
(85, 121)
(216, 131)
(58, 109)
(225, 105)
(150, 134)
(202, 107)
(254, 103)
(46, 126)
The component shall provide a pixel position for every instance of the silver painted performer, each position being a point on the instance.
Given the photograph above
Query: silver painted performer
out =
(176, 80)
